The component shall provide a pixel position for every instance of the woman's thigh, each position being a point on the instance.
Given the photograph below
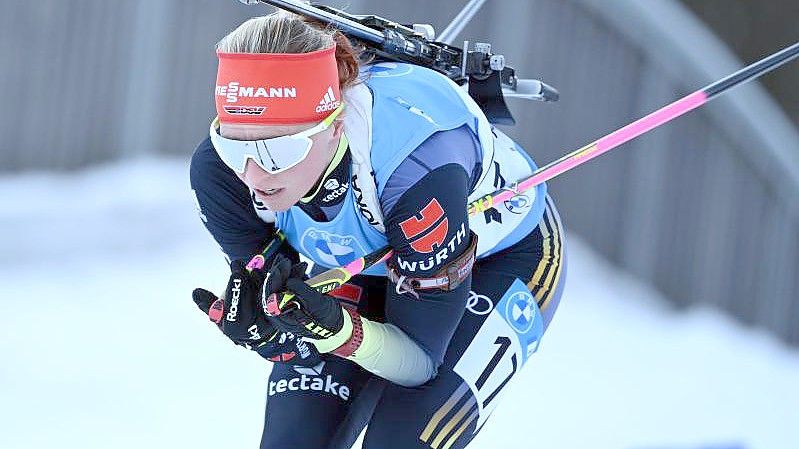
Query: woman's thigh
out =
(319, 406)
(326, 407)
(513, 297)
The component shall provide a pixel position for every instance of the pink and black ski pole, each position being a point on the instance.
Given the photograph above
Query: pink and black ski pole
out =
(336, 276)
(638, 127)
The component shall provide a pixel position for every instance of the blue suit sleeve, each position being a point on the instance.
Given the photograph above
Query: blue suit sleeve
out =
(428, 227)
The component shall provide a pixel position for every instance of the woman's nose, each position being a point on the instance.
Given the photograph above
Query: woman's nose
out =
(253, 173)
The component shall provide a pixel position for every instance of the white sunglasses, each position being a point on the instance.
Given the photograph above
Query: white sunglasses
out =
(273, 155)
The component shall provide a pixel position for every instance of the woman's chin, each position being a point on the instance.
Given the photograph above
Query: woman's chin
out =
(278, 203)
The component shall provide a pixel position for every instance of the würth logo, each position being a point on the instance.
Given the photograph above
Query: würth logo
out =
(428, 232)
(328, 102)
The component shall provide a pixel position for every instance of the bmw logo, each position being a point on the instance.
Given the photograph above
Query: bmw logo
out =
(328, 249)
(520, 311)
(518, 204)
(333, 253)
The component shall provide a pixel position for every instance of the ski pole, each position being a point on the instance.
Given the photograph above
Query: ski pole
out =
(334, 277)
(640, 126)
(460, 21)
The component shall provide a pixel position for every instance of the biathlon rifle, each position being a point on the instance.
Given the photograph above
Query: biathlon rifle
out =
(490, 80)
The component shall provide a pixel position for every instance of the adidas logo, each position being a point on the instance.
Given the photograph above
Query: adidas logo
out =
(328, 102)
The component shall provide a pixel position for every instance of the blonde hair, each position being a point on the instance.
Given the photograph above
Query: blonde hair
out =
(285, 32)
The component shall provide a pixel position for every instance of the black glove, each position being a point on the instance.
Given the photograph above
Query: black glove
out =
(238, 317)
(300, 310)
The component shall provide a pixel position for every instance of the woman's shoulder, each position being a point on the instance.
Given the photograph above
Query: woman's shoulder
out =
(204, 156)
(393, 78)
(454, 147)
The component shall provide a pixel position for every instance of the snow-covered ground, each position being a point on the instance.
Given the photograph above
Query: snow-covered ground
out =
(102, 346)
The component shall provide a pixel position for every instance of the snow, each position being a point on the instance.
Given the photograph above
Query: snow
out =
(102, 346)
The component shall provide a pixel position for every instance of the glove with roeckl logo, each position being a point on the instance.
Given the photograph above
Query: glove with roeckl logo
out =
(237, 315)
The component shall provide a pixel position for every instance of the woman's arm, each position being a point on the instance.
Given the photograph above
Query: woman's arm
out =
(225, 205)
(427, 225)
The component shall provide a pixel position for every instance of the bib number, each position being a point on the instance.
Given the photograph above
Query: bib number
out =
(508, 337)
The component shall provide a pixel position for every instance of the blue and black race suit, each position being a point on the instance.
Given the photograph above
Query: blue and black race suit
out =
(478, 335)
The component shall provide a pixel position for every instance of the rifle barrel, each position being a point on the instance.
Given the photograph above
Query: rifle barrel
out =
(347, 26)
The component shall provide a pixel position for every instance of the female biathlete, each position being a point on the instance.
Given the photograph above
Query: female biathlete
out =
(344, 158)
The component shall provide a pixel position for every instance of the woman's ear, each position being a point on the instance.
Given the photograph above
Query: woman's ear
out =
(338, 128)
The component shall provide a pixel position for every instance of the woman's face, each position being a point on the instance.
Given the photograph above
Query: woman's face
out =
(282, 190)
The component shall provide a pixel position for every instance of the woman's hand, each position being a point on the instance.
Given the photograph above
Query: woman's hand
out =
(300, 309)
(238, 317)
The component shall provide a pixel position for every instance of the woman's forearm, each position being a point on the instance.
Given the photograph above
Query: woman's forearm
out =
(386, 351)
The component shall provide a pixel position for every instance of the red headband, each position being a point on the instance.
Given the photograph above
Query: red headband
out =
(277, 88)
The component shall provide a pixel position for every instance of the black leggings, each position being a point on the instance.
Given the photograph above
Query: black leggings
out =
(513, 297)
